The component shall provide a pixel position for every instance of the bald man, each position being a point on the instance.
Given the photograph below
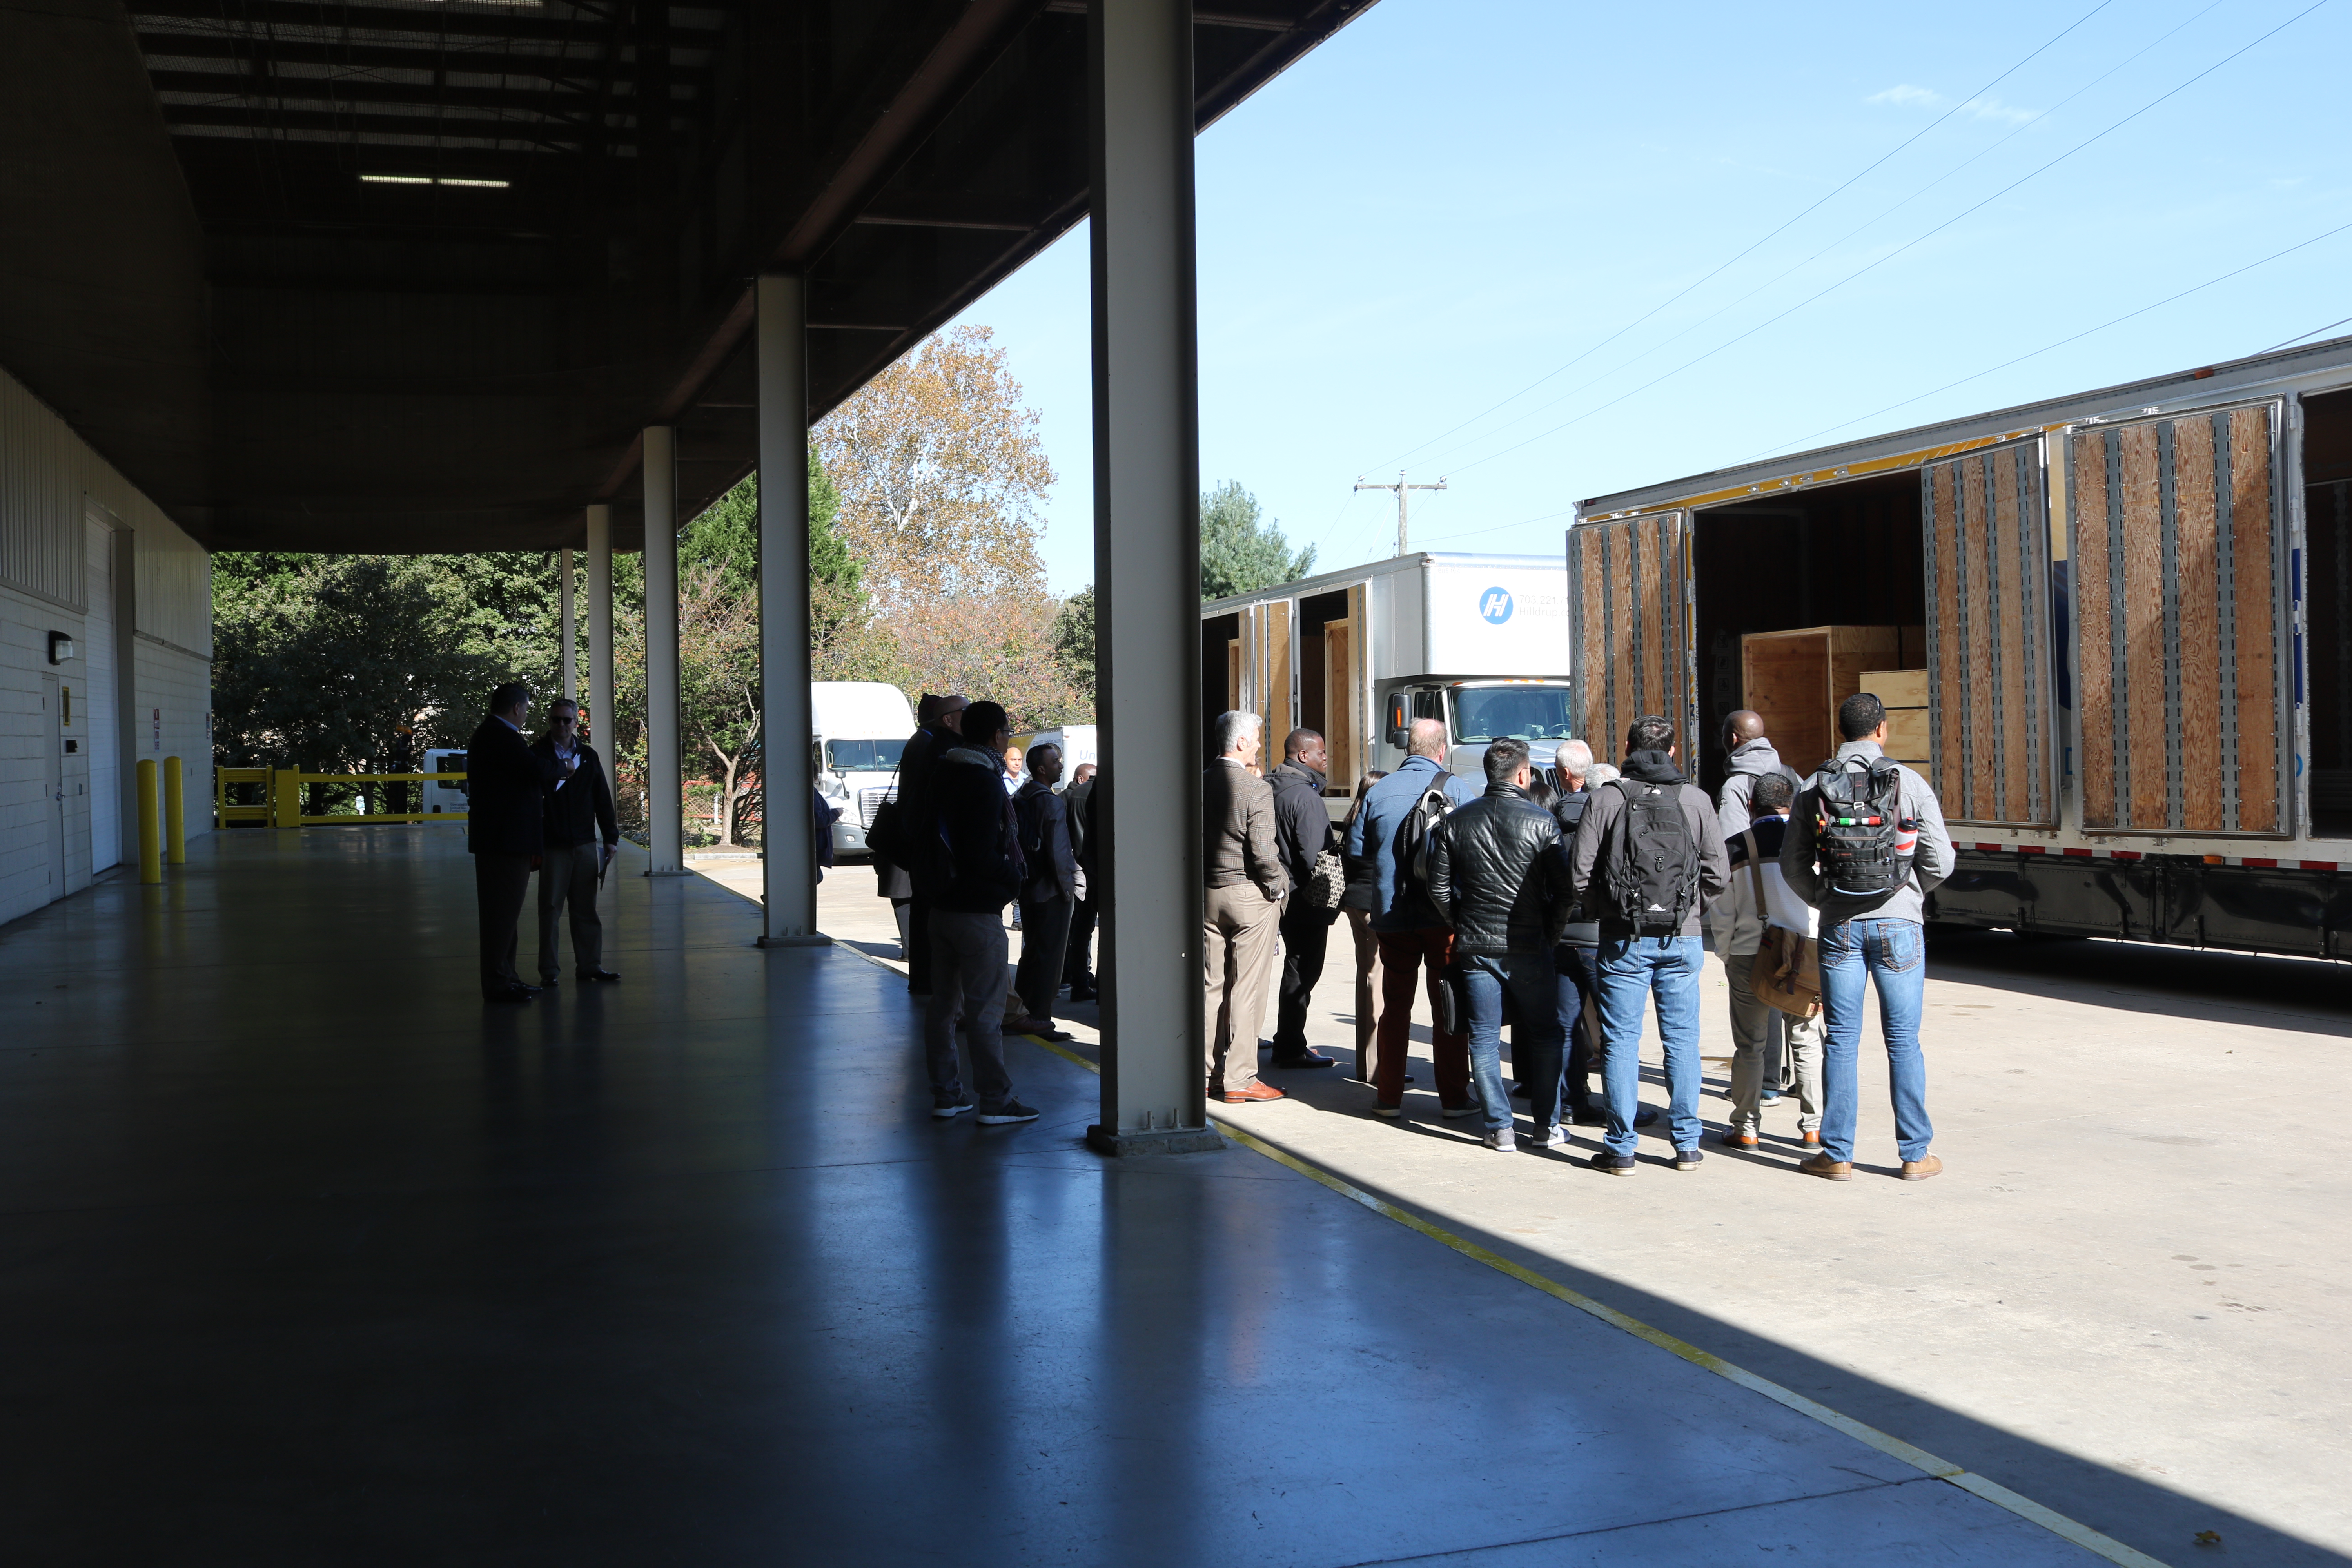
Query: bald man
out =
(1751, 756)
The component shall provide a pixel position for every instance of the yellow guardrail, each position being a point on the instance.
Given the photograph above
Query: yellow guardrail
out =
(282, 797)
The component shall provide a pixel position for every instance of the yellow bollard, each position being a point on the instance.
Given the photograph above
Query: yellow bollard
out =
(175, 822)
(286, 797)
(151, 843)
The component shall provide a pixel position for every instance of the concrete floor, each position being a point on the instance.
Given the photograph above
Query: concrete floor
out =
(2113, 1302)
(306, 1257)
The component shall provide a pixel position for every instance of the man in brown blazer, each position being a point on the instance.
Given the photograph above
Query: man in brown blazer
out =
(1241, 910)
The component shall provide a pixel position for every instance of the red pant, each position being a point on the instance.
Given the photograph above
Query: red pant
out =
(1402, 955)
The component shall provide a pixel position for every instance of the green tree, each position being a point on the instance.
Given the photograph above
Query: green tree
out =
(336, 664)
(1241, 550)
(1074, 646)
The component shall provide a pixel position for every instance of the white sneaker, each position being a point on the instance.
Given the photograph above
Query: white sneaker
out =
(1503, 1141)
(1556, 1138)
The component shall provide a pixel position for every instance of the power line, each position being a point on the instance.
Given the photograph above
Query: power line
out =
(2300, 336)
(2062, 342)
(1899, 250)
(1878, 217)
(1775, 234)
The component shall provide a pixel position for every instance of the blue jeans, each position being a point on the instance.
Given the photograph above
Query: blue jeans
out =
(1632, 969)
(1895, 954)
(1534, 1032)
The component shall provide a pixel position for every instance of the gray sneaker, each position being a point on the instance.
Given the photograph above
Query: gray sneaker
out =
(1501, 1140)
(1010, 1111)
(944, 1108)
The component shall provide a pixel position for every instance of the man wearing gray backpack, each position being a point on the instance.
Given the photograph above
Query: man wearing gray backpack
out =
(1865, 845)
(1648, 856)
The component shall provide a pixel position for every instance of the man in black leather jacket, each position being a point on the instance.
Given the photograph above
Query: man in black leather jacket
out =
(1302, 831)
(1499, 874)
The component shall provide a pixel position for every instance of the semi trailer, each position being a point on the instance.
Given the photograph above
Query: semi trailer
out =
(2110, 626)
(1478, 642)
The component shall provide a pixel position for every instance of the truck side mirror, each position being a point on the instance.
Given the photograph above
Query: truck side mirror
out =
(1399, 729)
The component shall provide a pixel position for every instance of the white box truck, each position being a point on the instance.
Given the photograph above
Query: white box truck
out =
(1478, 641)
(860, 727)
(2120, 628)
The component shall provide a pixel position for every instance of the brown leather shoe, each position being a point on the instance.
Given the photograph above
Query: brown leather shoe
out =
(1255, 1091)
(1919, 1170)
(1735, 1138)
(1833, 1170)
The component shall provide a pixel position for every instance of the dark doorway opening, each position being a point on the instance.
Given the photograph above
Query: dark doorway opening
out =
(2327, 608)
(1842, 555)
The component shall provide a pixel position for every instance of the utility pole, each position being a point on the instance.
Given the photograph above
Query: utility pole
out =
(1403, 501)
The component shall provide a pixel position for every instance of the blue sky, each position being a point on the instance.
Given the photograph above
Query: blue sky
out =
(1453, 198)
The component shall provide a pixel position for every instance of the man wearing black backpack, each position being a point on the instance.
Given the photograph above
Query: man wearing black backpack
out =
(1865, 846)
(1648, 856)
(1388, 826)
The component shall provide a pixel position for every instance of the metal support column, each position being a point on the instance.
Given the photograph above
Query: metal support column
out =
(599, 638)
(1147, 563)
(571, 692)
(789, 878)
(663, 805)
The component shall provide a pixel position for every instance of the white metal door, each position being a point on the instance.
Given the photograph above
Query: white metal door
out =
(53, 785)
(103, 738)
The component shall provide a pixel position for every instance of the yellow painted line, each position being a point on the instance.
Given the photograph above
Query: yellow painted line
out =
(1894, 1447)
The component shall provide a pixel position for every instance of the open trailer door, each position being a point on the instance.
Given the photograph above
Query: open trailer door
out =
(1632, 648)
(2180, 592)
(1988, 665)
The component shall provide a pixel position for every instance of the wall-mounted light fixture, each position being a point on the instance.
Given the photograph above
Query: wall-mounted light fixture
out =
(61, 647)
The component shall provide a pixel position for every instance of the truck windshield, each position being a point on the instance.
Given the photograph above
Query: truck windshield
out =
(1527, 712)
(863, 756)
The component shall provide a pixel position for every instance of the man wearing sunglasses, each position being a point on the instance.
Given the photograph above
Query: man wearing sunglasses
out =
(579, 806)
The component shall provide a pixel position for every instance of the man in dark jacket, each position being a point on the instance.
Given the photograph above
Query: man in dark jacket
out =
(1407, 928)
(577, 808)
(969, 869)
(940, 725)
(1634, 964)
(1078, 969)
(1047, 897)
(1302, 830)
(506, 829)
(1499, 875)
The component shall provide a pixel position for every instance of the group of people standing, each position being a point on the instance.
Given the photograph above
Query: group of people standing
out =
(543, 807)
(1564, 908)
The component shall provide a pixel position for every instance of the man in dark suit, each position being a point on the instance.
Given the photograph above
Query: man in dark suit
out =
(506, 829)
(578, 806)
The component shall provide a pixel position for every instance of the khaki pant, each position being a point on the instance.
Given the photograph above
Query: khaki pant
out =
(567, 884)
(1238, 947)
(1757, 1031)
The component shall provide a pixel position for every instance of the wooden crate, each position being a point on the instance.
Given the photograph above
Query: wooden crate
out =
(1797, 679)
(1910, 738)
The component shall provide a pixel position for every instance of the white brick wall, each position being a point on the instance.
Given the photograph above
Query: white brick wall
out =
(49, 479)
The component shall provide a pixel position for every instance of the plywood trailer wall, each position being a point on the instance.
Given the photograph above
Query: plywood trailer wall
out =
(2179, 589)
(1989, 637)
(1628, 587)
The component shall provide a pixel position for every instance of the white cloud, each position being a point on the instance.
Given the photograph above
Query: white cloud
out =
(1907, 96)
(1994, 109)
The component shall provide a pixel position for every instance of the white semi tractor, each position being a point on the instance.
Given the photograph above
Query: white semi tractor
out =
(1478, 642)
(859, 729)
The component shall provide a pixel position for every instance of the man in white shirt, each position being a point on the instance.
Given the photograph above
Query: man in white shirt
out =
(1758, 1030)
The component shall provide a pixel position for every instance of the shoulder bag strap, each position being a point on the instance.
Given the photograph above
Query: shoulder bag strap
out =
(1756, 875)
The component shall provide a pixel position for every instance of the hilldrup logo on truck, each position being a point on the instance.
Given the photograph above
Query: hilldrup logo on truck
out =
(1495, 605)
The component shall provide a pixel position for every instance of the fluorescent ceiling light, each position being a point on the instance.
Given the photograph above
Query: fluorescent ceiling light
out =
(429, 180)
